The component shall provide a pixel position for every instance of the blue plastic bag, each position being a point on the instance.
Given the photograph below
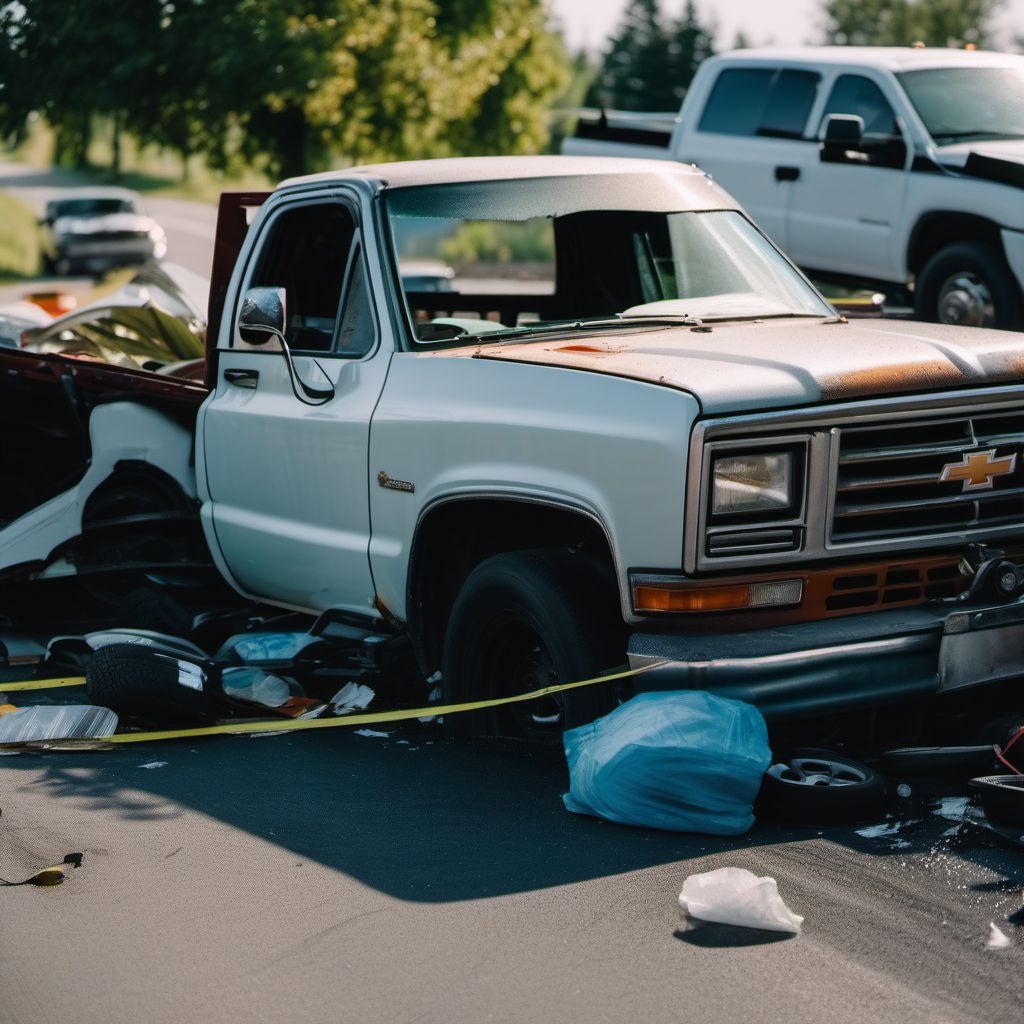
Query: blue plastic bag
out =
(682, 760)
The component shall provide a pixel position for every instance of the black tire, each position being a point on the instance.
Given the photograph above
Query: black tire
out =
(138, 683)
(524, 620)
(984, 264)
(804, 804)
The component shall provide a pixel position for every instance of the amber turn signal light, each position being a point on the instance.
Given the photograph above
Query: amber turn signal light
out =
(681, 598)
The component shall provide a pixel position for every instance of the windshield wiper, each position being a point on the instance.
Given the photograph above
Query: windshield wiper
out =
(532, 330)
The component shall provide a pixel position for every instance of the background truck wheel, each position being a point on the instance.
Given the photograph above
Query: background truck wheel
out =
(523, 621)
(969, 284)
(817, 787)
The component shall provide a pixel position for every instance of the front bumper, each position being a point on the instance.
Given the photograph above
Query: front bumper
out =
(840, 664)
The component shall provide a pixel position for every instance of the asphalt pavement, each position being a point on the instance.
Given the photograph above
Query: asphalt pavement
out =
(339, 877)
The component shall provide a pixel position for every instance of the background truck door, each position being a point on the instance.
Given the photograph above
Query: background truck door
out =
(842, 215)
(750, 138)
(287, 481)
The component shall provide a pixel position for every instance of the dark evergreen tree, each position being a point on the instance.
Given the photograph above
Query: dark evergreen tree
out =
(690, 43)
(649, 62)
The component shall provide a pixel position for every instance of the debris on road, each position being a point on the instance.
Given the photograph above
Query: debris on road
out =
(738, 897)
(997, 939)
(154, 764)
(57, 722)
(351, 697)
(685, 761)
(373, 733)
(817, 787)
(885, 828)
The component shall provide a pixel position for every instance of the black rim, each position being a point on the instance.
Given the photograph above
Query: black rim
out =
(515, 659)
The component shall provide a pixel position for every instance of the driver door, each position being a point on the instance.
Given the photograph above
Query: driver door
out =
(287, 481)
(842, 215)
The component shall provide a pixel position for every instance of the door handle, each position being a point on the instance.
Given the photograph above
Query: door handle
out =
(243, 378)
(787, 173)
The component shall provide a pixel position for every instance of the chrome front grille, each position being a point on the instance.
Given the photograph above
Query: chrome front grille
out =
(888, 477)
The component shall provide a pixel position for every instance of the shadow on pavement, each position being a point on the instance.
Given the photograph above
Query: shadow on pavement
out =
(709, 935)
(424, 821)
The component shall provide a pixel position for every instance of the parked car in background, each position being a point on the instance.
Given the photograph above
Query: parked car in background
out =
(881, 167)
(91, 230)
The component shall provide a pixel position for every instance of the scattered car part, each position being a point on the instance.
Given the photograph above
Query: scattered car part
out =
(57, 722)
(815, 787)
(1002, 798)
(686, 761)
(154, 684)
(945, 762)
(738, 897)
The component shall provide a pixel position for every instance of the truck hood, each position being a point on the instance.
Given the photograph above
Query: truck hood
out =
(955, 156)
(775, 364)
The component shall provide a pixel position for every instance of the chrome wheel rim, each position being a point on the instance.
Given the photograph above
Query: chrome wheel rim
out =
(816, 771)
(965, 301)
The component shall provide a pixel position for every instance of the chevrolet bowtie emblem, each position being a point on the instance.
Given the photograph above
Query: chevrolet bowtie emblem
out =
(978, 470)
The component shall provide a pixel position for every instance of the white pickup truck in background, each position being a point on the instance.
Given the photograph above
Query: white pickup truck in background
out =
(883, 167)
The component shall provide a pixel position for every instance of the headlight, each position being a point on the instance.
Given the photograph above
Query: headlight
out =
(756, 482)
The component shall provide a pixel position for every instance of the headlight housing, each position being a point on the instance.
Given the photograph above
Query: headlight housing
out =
(753, 482)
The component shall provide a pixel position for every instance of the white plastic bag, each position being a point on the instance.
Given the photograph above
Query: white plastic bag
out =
(737, 896)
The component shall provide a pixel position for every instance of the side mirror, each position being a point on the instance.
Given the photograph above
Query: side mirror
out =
(263, 315)
(842, 133)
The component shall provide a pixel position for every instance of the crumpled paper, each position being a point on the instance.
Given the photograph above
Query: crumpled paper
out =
(738, 897)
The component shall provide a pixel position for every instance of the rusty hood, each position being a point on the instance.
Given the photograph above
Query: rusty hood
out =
(749, 366)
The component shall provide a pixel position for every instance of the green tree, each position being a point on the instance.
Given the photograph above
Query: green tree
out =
(690, 43)
(70, 65)
(649, 62)
(903, 22)
(293, 85)
(633, 73)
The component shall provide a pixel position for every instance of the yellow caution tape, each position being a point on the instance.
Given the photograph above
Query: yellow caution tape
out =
(376, 718)
(42, 684)
(301, 724)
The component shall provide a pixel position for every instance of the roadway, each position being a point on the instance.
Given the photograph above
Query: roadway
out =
(336, 877)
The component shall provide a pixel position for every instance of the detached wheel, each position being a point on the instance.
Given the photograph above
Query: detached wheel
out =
(817, 787)
(969, 284)
(155, 687)
(527, 620)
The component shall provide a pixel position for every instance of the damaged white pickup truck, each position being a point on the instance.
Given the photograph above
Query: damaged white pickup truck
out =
(630, 429)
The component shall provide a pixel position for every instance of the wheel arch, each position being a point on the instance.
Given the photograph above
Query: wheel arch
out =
(938, 228)
(448, 544)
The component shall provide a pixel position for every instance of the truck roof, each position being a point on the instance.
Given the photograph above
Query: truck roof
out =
(463, 170)
(888, 58)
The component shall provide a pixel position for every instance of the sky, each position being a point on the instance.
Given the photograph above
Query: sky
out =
(766, 22)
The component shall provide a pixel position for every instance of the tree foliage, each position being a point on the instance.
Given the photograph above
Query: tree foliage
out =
(650, 62)
(903, 22)
(294, 85)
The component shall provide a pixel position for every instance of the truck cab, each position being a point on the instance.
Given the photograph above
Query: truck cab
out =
(881, 166)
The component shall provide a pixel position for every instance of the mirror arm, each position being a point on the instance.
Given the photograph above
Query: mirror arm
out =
(310, 395)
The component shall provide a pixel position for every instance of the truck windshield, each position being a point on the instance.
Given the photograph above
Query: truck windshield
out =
(518, 274)
(968, 104)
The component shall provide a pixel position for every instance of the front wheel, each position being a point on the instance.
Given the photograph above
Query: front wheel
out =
(523, 621)
(969, 284)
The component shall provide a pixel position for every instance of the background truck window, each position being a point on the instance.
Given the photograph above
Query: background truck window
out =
(773, 102)
(857, 95)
